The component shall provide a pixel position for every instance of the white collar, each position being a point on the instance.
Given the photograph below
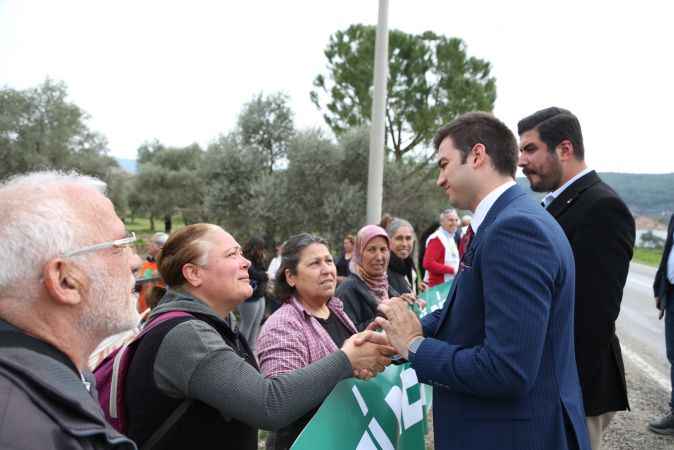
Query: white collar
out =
(486, 203)
(561, 189)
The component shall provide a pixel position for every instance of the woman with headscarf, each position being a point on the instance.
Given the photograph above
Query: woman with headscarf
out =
(367, 285)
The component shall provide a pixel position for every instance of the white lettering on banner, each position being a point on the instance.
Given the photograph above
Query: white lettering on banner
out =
(360, 400)
(394, 400)
(414, 413)
(366, 443)
(380, 435)
(398, 401)
(377, 431)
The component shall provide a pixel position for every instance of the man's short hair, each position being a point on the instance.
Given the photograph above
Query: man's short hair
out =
(555, 125)
(473, 128)
(39, 222)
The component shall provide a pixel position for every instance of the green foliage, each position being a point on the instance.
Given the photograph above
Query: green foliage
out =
(168, 182)
(431, 81)
(266, 122)
(229, 171)
(40, 129)
(648, 256)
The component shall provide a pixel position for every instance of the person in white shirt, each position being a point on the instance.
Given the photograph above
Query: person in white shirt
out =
(275, 263)
(500, 352)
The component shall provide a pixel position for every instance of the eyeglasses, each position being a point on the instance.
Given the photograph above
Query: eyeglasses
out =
(119, 243)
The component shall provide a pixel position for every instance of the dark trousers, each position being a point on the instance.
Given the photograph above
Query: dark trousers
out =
(669, 338)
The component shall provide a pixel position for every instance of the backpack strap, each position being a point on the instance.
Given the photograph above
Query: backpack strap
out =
(117, 363)
(167, 425)
(177, 414)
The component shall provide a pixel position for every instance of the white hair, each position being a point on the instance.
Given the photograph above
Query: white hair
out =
(39, 221)
(447, 212)
(397, 223)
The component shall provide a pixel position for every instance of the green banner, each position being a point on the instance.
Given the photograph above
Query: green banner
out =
(387, 412)
(435, 297)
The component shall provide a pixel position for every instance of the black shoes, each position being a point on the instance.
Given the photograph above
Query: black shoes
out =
(664, 425)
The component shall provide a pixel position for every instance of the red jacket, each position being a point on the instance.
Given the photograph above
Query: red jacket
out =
(434, 262)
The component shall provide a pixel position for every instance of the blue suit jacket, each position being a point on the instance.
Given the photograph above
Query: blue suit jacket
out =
(500, 354)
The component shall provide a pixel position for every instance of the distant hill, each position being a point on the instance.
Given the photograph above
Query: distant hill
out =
(645, 194)
(130, 165)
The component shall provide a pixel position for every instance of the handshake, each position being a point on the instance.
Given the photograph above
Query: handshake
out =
(370, 351)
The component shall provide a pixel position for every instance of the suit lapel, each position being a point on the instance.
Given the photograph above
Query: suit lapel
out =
(499, 205)
(571, 193)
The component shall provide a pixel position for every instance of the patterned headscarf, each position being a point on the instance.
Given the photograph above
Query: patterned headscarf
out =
(378, 284)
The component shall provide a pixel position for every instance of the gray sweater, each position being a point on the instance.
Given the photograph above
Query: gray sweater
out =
(194, 362)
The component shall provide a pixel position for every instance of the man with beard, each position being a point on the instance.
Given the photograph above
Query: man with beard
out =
(65, 284)
(499, 354)
(600, 229)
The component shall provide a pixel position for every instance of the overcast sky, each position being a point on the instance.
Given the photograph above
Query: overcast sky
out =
(181, 71)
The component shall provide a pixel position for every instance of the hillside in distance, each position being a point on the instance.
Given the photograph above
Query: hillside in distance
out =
(645, 194)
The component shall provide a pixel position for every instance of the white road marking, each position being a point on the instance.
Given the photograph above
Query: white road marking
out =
(646, 368)
(640, 282)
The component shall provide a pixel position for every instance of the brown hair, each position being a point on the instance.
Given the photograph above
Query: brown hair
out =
(187, 245)
(483, 128)
(290, 258)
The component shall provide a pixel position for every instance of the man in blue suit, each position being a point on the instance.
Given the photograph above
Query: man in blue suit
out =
(500, 354)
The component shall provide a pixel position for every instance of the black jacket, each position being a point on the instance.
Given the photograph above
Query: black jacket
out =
(401, 274)
(43, 402)
(601, 231)
(661, 285)
(359, 303)
(201, 426)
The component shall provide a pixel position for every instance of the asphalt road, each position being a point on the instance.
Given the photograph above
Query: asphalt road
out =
(642, 337)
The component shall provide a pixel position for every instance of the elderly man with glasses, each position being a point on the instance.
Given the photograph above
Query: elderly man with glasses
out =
(65, 284)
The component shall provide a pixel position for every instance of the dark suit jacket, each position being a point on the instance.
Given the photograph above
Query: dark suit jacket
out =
(500, 353)
(661, 285)
(359, 303)
(600, 229)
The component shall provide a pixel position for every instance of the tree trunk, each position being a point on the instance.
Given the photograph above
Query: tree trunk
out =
(152, 222)
(168, 223)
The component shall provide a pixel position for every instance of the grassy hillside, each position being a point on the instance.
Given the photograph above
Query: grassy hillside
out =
(645, 194)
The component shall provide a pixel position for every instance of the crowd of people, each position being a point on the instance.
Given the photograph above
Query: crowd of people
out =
(522, 355)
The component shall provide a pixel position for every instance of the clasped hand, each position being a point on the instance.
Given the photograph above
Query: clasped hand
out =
(369, 353)
(400, 324)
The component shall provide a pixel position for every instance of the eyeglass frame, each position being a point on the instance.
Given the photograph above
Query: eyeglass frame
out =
(117, 243)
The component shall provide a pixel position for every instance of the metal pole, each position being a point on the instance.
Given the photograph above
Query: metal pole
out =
(375, 179)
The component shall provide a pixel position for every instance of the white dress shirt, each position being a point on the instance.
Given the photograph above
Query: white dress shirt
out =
(554, 194)
(486, 203)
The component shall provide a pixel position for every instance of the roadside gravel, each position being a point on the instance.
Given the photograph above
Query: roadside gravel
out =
(628, 429)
